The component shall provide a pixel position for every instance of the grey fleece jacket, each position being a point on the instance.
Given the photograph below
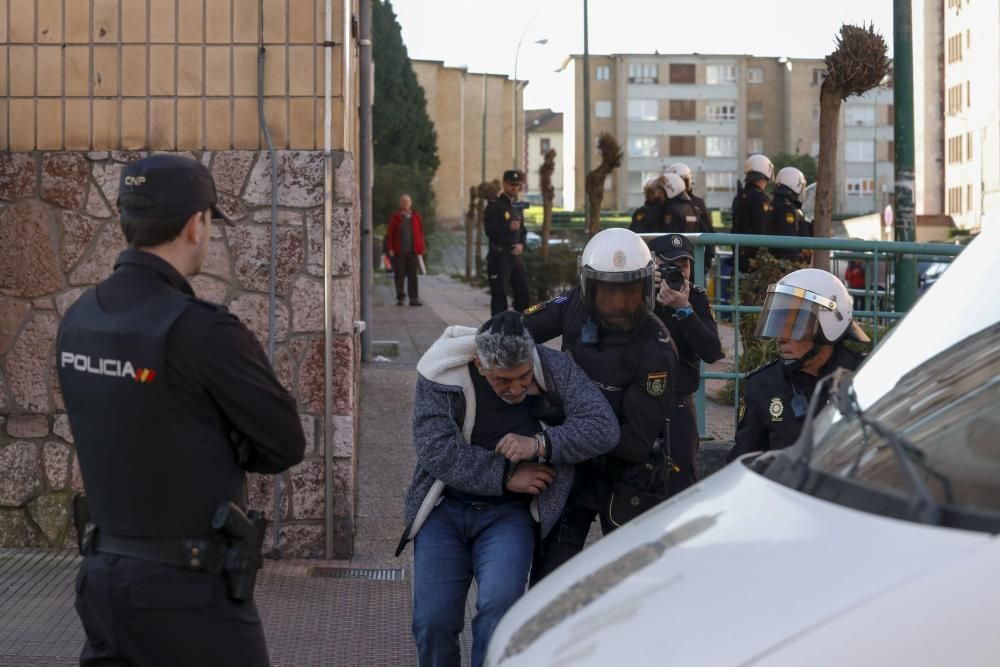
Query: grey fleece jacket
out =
(444, 412)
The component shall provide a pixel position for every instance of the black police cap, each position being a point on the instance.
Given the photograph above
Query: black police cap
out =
(165, 185)
(672, 246)
(513, 176)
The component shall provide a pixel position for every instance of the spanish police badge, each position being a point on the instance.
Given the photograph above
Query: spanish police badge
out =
(777, 408)
(656, 383)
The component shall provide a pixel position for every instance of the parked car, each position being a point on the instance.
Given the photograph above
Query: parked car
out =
(871, 541)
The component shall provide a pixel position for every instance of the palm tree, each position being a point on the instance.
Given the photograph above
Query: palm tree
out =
(857, 65)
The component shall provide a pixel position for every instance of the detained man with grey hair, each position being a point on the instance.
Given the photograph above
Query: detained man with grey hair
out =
(498, 423)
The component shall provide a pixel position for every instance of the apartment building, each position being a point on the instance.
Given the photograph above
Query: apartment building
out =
(712, 111)
(972, 112)
(473, 115)
(544, 130)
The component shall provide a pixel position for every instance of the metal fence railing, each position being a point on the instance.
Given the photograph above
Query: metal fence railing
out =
(878, 256)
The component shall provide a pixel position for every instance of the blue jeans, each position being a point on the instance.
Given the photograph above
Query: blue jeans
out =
(460, 540)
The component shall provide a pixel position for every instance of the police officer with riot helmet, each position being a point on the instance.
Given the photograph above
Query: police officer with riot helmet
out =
(647, 218)
(810, 314)
(679, 216)
(607, 324)
(685, 309)
(504, 223)
(698, 204)
(752, 206)
(786, 217)
(171, 401)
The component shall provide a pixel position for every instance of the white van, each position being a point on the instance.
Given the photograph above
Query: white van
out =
(871, 541)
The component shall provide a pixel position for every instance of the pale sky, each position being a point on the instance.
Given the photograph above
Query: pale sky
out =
(483, 34)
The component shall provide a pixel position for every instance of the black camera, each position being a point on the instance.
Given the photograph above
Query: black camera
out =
(673, 275)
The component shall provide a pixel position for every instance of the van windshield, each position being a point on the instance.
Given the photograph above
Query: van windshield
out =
(948, 407)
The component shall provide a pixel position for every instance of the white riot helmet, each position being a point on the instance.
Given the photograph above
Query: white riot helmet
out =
(649, 189)
(673, 185)
(758, 164)
(617, 256)
(793, 179)
(809, 304)
(684, 172)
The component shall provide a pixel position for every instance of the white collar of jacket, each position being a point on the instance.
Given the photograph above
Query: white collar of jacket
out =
(446, 362)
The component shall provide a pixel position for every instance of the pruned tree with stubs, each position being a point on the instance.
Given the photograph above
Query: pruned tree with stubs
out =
(548, 197)
(860, 63)
(611, 159)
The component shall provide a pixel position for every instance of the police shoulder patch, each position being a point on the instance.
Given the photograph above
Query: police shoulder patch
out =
(639, 215)
(790, 218)
(766, 206)
(742, 410)
(544, 304)
(506, 215)
(656, 383)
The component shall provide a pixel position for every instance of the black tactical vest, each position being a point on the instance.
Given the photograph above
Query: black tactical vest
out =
(149, 469)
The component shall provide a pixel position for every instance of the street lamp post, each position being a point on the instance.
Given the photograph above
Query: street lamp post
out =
(513, 110)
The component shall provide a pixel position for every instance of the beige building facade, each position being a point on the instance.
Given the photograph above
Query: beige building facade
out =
(711, 112)
(473, 115)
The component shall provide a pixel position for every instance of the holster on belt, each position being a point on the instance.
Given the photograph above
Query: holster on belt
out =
(244, 553)
(85, 530)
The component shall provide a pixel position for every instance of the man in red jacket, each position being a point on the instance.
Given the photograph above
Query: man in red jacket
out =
(404, 242)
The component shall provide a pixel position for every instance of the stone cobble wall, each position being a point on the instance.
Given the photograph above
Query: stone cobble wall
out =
(59, 234)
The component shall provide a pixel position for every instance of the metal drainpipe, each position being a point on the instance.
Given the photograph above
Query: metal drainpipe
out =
(327, 284)
(272, 298)
(365, 169)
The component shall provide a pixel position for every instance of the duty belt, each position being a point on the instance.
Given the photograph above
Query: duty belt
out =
(199, 553)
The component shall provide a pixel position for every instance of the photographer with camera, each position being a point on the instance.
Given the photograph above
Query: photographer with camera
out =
(685, 309)
(503, 220)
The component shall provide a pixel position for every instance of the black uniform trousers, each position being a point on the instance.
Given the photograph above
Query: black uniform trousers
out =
(138, 613)
(505, 270)
(683, 444)
(404, 268)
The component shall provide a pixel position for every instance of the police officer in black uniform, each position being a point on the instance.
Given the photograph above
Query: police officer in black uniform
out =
(171, 401)
(698, 204)
(786, 217)
(752, 206)
(608, 326)
(810, 314)
(648, 217)
(504, 223)
(679, 216)
(685, 309)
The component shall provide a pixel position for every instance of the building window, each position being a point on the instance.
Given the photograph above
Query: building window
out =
(755, 75)
(955, 149)
(890, 114)
(643, 147)
(720, 146)
(860, 187)
(682, 110)
(720, 181)
(718, 75)
(955, 200)
(968, 197)
(602, 72)
(955, 100)
(546, 144)
(642, 110)
(755, 145)
(720, 111)
(642, 73)
(680, 145)
(955, 48)
(755, 110)
(968, 94)
(968, 40)
(818, 76)
(859, 115)
(602, 108)
(968, 146)
(637, 180)
(859, 151)
(682, 73)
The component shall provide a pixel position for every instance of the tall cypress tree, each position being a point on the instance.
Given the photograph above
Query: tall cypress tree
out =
(401, 129)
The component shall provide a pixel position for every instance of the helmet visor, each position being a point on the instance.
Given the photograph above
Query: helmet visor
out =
(792, 313)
